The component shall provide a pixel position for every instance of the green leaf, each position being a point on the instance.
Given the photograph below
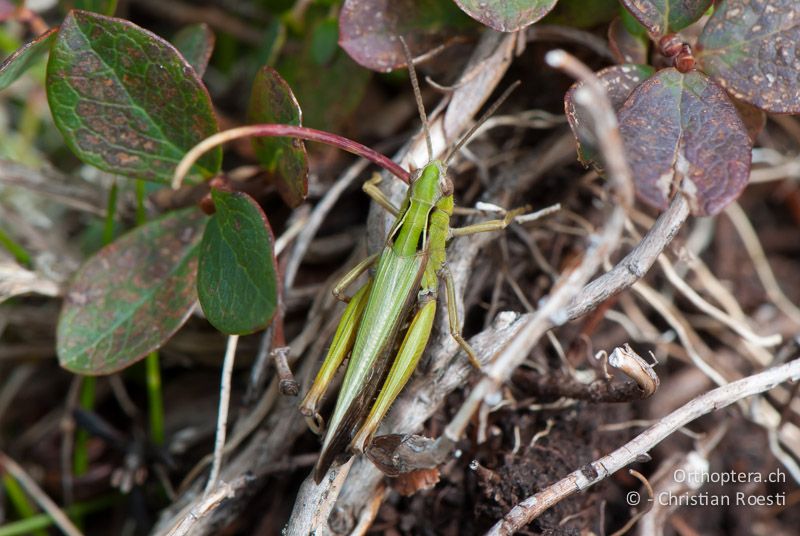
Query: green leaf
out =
(324, 41)
(126, 101)
(368, 29)
(582, 14)
(661, 17)
(237, 278)
(683, 134)
(196, 43)
(327, 95)
(129, 298)
(21, 60)
(619, 81)
(751, 49)
(272, 101)
(504, 15)
(103, 7)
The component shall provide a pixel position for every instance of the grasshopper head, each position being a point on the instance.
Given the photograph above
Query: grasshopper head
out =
(431, 183)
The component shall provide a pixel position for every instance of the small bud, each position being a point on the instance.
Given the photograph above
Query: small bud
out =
(684, 61)
(670, 45)
(218, 182)
(207, 205)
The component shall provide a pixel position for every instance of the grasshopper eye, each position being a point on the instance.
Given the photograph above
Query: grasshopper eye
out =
(447, 186)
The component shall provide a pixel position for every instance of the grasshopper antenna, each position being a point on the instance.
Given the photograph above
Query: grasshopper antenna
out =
(418, 96)
(486, 115)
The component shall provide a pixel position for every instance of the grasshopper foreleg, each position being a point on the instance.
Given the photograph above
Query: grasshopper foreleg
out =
(371, 189)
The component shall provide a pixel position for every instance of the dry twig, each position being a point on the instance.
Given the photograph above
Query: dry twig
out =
(38, 495)
(222, 416)
(583, 478)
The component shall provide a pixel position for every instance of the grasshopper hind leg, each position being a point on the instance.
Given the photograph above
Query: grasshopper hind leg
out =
(408, 355)
(340, 346)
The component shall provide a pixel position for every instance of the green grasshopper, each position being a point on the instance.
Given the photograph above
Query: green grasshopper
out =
(404, 286)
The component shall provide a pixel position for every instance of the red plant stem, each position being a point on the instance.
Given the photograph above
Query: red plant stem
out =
(286, 131)
(346, 144)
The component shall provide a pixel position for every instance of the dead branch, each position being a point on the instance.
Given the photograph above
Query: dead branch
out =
(210, 503)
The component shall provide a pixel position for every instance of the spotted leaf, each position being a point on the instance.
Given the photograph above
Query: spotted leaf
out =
(131, 296)
(126, 101)
(751, 49)
(368, 29)
(683, 134)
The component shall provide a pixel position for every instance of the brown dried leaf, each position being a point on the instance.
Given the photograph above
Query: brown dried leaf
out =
(408, 484)
(681, 131)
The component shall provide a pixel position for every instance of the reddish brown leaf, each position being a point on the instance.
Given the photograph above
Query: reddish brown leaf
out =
(369, 29)
(751, 49)
(17, 63)
(407, 484)
(626, 47)
(681, 131)
(754, 118)
(619, 81)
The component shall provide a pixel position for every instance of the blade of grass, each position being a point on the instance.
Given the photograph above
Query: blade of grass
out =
(80, 461)
(20, 253)
(38, 522)
(20, 501)
(111, 212)
(155, 402)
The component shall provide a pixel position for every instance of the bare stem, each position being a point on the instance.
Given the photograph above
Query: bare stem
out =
(222, 416)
